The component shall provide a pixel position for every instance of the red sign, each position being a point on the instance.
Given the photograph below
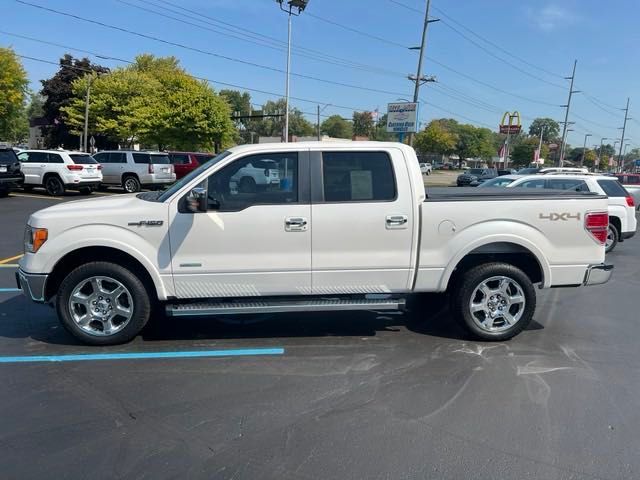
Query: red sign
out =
(511, 129)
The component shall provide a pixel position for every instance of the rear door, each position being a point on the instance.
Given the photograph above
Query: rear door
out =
(362, 218)
(33, 165)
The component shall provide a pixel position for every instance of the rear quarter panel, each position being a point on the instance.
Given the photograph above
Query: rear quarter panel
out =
(453, 229)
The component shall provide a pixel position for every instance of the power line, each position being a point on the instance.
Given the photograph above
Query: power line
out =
(209, 53)
(254, 38)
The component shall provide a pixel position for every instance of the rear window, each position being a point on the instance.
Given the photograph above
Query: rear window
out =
(568, 184)
(8, 156)
(476, 171)
(151, 158)
(358, 176)
(179, 158)
(612, 188)
(82, 159)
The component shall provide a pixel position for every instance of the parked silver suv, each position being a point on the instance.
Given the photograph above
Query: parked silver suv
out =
(133, 169)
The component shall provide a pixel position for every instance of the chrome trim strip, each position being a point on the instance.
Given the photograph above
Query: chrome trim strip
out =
(598, 274)
(33, 285)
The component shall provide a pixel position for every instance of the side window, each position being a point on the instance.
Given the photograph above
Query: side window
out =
(264, 179)
(537, 183)
(357, 177)
(55, 158)
(37, 157)
(179, 158)
(101, 157)
(568, 184)
(141, 158)
(23, 157)
(117, 157)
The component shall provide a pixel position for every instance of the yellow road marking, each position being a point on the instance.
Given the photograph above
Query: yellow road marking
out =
(41, 197)
(9, 265)
(4, 261)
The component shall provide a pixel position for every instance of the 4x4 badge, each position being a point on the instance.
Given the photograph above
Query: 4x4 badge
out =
(560, 216)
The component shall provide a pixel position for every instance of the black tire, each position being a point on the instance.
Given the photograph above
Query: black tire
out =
(54, 186)
(247, 185)
(141, 302)
(613, 236)
(464, 291)
(4, 192)
(131, 184)
(86, 191)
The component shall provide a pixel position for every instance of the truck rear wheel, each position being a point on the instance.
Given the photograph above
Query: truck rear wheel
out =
(494, 301)
(101, 303)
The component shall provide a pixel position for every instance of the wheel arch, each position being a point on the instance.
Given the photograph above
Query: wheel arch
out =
(80, 256)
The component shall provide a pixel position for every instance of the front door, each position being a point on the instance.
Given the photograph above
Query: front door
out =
(363, 222)
(255, 238)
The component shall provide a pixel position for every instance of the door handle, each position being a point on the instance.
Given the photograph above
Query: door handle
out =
(295, 224)
(396, 221)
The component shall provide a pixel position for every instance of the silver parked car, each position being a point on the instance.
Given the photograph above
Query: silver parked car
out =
(133, 170)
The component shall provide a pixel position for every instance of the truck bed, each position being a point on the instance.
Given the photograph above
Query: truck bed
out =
(463, 194)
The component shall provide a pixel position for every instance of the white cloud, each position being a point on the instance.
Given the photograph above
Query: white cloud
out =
(552, 16)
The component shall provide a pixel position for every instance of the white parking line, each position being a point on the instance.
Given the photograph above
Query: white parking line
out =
(41, 197)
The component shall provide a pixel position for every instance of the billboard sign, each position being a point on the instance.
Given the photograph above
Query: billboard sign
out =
(402, 117)
(511, 123)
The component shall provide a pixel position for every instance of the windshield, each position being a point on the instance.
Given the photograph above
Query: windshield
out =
(191, 175)
(82, 159)
(475, 171)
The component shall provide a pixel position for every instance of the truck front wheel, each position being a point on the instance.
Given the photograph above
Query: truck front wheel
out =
(101, 303)
(494, 301)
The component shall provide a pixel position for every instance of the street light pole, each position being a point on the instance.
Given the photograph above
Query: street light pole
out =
(86, 114)
(624, 128)
(600, 151)
(540, 144)
(584, 148)
(566, 115)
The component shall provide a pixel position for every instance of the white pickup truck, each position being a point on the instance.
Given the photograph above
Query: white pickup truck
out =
(347, 227)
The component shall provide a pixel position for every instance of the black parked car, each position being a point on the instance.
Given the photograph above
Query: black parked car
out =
(507, 171)
(475, 176)
(10, 174)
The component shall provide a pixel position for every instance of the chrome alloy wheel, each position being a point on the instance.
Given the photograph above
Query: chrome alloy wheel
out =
(611, 236)
(497, 304)
(101, 306)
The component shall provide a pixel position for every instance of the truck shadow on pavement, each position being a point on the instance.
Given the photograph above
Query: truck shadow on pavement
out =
(22, 319)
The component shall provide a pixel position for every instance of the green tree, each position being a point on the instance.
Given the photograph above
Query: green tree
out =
(153, 102)
(59, 93)
(380, 132)
(13, 93)
(363, 124)
(337, 127)
(435, 138)
(35, 109)
(274, 126)
(474, 142)
(551, 129)
(523, 153)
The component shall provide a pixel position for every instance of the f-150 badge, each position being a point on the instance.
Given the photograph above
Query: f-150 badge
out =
(146, 223)
(564, 216)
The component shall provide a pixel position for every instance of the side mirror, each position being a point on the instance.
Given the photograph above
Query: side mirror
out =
(197, 200)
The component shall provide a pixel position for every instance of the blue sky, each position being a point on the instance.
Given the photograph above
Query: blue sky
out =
(541, 39)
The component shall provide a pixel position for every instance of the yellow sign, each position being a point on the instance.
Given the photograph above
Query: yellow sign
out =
(513, 125)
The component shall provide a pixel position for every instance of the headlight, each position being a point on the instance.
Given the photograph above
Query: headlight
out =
(34, 238)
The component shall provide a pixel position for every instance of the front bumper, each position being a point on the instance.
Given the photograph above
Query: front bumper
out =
(598, 274)
(32, 285)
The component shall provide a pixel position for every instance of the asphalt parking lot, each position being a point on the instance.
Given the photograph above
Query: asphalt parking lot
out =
(334, 396)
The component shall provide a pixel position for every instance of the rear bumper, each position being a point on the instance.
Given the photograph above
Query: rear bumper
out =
(11, 180)
(83, 184)
(598, 274)
(627, 235)
(32, 285)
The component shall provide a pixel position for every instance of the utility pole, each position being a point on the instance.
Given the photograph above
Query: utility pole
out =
(286, 94)
(540, 144)
(318, 122)
(86, 115)
(600, 151)
(584, 148)
(418, 78)
(566, 114)
(624, 128)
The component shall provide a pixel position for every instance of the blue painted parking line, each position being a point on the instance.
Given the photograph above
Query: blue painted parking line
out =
(143, 355)
(7, 290)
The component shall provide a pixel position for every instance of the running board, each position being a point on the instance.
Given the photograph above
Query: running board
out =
(280, 306)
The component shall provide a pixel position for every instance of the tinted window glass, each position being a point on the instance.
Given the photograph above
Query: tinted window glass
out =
(34, 157)
(245, 182)
(179, 158)
(82, 159)
(101, 157)
(141, 158)
(357, 176)
(55, 158)
(612, 188)
(568, 184)
(7, 156)
(160, 159)
(117, 157)
(476, 171)
(203, 158)
(191, 175)
(496, 182)
(537, 183)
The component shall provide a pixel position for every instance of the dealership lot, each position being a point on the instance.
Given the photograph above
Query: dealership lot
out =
(348, 395)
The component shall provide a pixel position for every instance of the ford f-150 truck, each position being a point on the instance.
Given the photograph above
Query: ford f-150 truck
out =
(348, 226)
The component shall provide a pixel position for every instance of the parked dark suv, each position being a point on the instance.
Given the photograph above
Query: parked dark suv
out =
(475, 176)
(10, 174)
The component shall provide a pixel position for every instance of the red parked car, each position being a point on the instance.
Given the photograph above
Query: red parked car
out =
(184, 162)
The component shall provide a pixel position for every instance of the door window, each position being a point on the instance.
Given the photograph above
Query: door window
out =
(357, 177)
(568, 184)
(264, 179)
(55, 158)
(117, 157)
(612, 188)
(33, 157)
(102, 158)
(537, 183)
